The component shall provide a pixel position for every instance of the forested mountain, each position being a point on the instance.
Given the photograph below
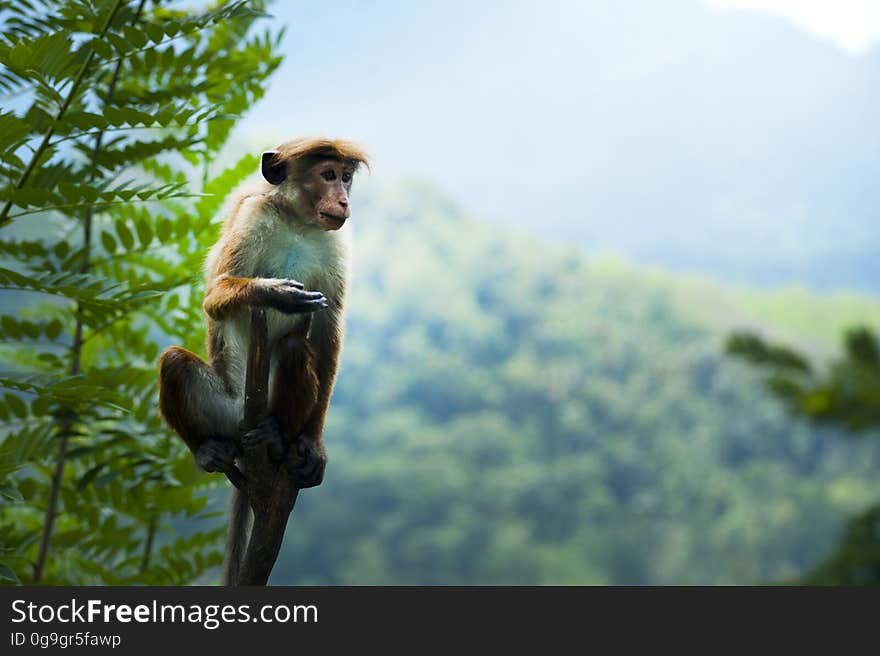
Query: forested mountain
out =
(512, 412)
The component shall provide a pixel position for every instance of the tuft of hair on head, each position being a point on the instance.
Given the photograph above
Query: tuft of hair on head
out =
(308, 150)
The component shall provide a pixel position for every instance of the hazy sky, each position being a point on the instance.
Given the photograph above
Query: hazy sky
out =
(668, 127)
(853, 25)
(451, 91)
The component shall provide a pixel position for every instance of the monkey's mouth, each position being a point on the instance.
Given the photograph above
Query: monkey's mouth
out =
(333, 220)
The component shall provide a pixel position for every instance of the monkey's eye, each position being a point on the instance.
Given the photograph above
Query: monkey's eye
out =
(329, 175)
(346, 177)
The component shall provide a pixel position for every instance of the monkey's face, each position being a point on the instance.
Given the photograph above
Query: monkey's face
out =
(318, 190)
(325, 188)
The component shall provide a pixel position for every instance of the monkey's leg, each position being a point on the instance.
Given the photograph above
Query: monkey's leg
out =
(293, 394)
(194, 402)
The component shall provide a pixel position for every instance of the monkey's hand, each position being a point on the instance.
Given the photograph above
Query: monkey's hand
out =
(307, 463)
(288, 296)
(217, 455)
(265, 434)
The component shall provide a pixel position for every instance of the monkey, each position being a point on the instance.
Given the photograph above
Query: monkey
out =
(281, 247)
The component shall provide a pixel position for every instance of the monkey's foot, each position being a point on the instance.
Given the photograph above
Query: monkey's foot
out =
(307, 469)
(265, 434)
(217, 455)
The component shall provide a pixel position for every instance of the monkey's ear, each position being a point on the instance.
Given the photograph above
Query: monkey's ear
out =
(272, 170)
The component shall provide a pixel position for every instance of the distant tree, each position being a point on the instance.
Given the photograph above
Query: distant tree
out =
(856, 560)
(114, 111)
(845, 394)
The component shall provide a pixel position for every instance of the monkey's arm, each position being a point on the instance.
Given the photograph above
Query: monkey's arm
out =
(226, 294)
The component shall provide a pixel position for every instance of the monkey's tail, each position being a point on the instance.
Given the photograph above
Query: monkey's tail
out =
(236, 536)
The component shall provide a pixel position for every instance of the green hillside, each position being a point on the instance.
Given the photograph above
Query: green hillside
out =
(510, 412)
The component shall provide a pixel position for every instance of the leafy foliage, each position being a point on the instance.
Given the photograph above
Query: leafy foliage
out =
(846, 394)
(856, 561)
(115, 107)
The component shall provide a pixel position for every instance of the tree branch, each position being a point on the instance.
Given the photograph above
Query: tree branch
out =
(267, 482)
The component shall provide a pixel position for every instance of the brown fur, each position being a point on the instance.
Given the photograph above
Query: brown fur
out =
(326, 338)
(297, 381)
(176, 367)
(227, 294)
(296, 211)
(198, 399)
(304, 152)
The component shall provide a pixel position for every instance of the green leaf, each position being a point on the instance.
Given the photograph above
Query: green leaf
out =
(12, 128)
(125, 235)
(10, 326)
(155, 32)
(108, 242)
(30, 329)
(90, 475)
(163, 229)
(106, 479)
(135, 36)
(49, 56)
(53, 329)
(145, 234)
(16, 405)
(62, 249)
(6, 574)
(10, 492)
(102, 48)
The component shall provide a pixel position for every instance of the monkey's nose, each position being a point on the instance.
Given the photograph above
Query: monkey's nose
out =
(343, 203)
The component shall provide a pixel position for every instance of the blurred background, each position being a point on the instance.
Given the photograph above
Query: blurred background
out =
(572, 205)
(613, 315)
(731, 138)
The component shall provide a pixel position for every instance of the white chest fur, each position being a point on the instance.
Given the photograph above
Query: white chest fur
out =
(299, 256)
(314, 257)
(311, 256)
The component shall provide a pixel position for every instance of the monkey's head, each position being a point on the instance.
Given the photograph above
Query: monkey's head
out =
(314, 177)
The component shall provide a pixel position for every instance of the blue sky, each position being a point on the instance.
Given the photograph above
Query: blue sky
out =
(853, 25)
(638, 126)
